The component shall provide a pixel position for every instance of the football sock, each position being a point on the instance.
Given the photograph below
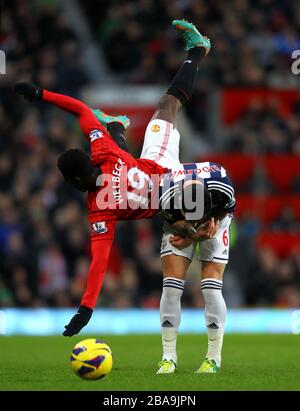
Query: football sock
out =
(170, 315)
(116, 130)
(215, 315)
(184, 81)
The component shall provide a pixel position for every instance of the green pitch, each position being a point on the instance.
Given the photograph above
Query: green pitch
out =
(250, 362)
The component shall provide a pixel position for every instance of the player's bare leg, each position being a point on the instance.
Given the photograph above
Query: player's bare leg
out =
(215, 314)
(182, 86)
(167, 109)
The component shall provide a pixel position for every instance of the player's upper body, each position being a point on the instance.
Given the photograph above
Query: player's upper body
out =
(120, 187)
(206, 181)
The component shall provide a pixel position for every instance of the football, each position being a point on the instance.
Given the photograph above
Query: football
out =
(91, 359)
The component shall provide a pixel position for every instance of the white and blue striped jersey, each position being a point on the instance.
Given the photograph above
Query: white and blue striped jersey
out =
(213, 175)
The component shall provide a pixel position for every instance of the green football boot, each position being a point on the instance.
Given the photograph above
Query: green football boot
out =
(191, 36)
(166, 367)
(208, 367)
(106, 119)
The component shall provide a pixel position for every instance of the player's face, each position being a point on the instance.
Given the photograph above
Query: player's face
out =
(86, 183)
(89, 182)
(78, 183)
(217, 215)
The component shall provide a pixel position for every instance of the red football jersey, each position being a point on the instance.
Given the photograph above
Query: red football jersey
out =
(128, 188)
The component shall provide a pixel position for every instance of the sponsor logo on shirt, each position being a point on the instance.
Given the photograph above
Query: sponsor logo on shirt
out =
(95, 134)
(99, 227)
(155, 128)
(197, 171)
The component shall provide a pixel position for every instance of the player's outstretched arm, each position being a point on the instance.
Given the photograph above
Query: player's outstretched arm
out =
(34, 93)
(100, 251)
(87, 119)
(29, 91)
(80, 320)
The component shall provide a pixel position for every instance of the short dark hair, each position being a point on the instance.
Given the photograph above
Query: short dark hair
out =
(74, 163)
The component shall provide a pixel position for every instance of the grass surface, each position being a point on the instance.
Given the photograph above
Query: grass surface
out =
(250, 362)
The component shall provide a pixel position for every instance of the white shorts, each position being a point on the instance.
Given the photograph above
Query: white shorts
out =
(216, 249)
(161, 144)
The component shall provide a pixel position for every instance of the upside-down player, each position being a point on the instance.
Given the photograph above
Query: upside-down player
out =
(178, 251)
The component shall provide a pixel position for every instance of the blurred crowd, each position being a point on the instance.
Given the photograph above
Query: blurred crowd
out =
(262, 129)
(44, 231)
(252, 40)
(252, 45)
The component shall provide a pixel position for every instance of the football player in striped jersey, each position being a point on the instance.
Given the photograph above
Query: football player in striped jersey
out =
(209, 183)
(177, 252)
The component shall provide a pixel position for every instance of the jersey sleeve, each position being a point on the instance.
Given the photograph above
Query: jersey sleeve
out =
(97, 135)
(101, 245)
(103, 230)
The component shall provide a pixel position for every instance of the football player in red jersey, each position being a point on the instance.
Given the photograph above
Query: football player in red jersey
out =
(119, 186)
(109, 177)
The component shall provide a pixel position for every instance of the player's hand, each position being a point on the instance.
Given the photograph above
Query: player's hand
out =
(180, 242)
(29, 91)
(207, 231)
(80, 320)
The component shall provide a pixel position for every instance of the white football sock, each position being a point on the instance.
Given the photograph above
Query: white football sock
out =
(170, 315)
(215, 315)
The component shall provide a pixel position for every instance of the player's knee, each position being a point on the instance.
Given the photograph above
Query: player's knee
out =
(175, 266)
(210, 269)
